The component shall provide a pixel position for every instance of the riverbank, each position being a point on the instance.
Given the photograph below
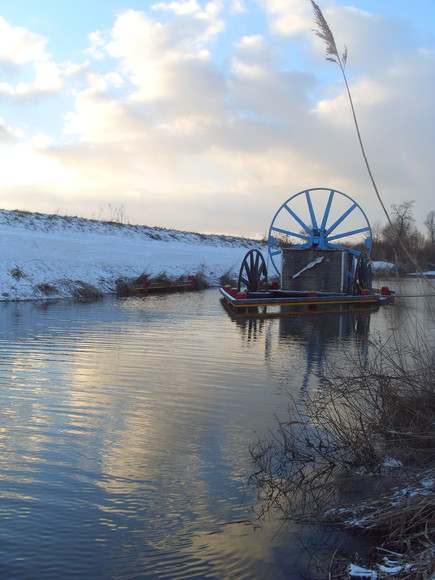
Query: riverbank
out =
(45, 256)
(357, 454)
(50, 256)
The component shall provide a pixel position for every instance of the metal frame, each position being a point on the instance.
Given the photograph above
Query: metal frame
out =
(320, 234)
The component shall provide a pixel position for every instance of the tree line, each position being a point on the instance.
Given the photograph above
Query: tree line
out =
(400, 240)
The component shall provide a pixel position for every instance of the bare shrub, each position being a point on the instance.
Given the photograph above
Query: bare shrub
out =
(368, 430)
(123, 288)
(227, 279)
(17, 273)
(85, 291)
(47, 289)
(367, 416)
(201, 282)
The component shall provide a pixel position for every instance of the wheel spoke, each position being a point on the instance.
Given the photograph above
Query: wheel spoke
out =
(311, 210)
(337, 247)
(307, 245)
(298, 219)
(349, 233)
(248, 271)
(340, 219)
(327, 210)
(350, 250)
(289, 233)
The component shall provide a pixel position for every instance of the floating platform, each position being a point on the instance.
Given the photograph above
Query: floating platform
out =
(284, 302)
(143, 287)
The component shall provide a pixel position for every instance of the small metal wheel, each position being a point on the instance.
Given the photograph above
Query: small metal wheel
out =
(253, 272)
(363, 274)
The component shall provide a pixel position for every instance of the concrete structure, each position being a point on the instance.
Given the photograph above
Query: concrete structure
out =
(312, 269)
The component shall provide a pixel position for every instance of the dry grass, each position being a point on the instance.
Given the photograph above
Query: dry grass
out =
(403, 523)
(362, 449)
(47, 289)
(201, 282)
(227, 279)
(84, 291)
(17, 273)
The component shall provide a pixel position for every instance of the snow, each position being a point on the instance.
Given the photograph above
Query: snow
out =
(428, 273)
(390, 567)
(381, 265)
(390, 462)
(357, 571)
(388, 268)
(59, 251)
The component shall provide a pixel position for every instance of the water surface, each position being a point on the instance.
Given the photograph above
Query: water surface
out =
(125, 433)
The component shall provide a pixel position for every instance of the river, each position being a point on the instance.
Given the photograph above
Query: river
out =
(125, 433)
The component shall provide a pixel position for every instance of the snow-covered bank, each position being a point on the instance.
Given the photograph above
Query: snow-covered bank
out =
(48, 255)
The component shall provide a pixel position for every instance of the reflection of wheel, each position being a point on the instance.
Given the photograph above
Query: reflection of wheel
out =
(320, 218)
(253, 271)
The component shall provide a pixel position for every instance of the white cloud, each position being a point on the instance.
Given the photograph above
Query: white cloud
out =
(42, 141)
(289, 17)
(23, 53)
(19, 46)
(158, 122)
(47, 80)
(7, 133)
(188, 7)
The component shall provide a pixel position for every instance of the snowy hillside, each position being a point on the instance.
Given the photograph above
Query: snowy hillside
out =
(50, 256)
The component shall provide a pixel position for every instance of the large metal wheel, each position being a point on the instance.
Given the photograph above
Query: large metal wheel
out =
(253, 272)
(321, 218)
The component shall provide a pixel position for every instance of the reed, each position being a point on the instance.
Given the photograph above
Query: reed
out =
(324, 32)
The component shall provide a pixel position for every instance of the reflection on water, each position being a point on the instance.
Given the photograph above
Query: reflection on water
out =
(296, 347)
(125, 429)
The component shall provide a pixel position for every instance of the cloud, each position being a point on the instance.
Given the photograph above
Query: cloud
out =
(8, 134)
(374, 40)
(20, 46)
(47, 80)
(167, 63)
(22, 53)
(289, 17)
(189, 7)
(152, 120)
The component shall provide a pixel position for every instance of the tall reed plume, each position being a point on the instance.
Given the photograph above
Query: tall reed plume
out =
(324, 32)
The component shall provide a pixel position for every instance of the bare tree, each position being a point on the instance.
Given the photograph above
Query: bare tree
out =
(402, 223)
(400, 232)
(429, 222)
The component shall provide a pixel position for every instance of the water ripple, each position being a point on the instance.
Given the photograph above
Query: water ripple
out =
(124, 435)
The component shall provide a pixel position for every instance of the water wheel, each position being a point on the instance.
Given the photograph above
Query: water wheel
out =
(319, 218)
(253, 272)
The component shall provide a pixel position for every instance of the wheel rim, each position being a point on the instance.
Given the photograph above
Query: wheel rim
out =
(322, 218)
(253, 272)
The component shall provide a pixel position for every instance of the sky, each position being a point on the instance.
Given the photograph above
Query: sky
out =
(206, 116)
